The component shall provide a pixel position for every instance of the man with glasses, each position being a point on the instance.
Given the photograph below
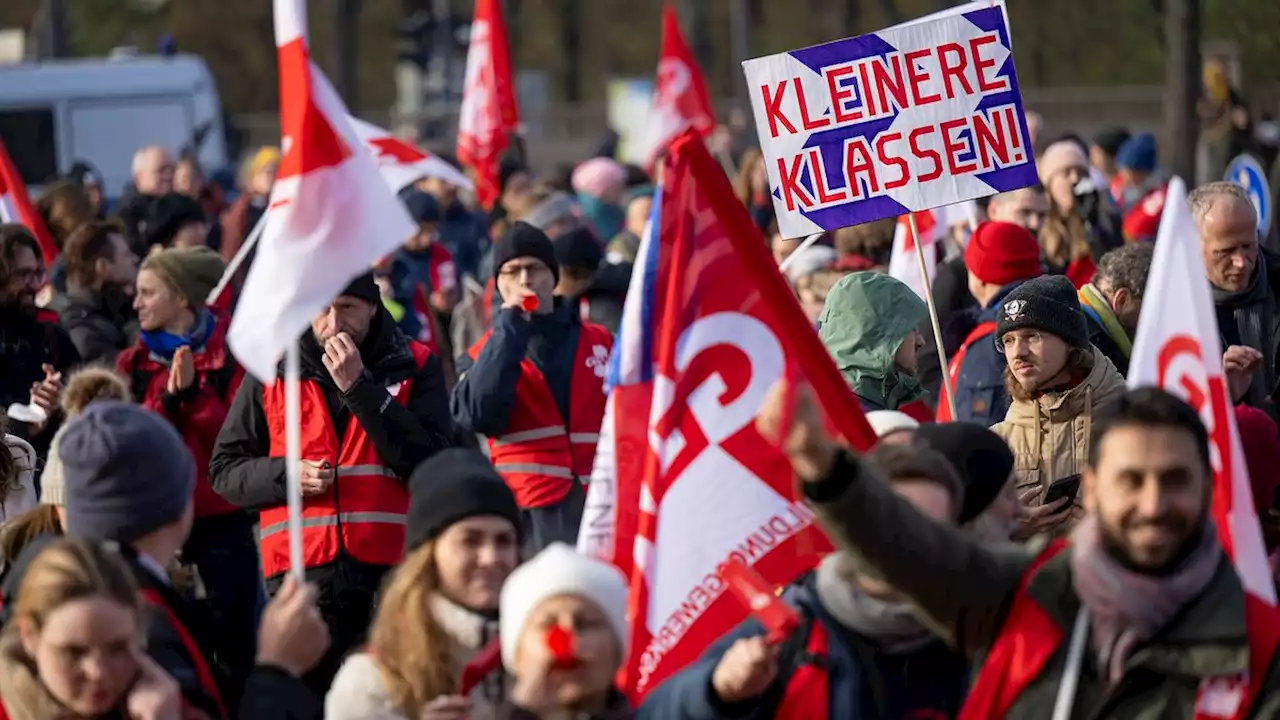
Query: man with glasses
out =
(534, 385)
(34, 351)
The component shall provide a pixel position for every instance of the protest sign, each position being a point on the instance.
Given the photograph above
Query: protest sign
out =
(913, 117)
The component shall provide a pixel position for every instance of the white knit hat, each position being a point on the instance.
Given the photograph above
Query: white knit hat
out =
(884, 422)
(559, 570)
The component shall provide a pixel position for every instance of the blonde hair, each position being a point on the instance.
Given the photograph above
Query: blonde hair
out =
(742, 179)
(67, 570)
(414, 654)
(91, 384)
(820, 282)
(1064, 240)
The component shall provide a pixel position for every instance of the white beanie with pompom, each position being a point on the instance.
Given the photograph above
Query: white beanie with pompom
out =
(559, 570)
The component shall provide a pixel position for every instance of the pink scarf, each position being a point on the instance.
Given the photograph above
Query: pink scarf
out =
(1127, 608)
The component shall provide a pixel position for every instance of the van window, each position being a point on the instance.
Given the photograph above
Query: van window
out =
(28, 135)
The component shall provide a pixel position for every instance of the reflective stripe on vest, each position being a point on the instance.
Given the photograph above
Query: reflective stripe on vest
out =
(362, 513)
(333, 520)
(808, 692)
(541, 451)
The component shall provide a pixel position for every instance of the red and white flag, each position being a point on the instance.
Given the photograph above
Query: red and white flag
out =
(401, 162)
(680, 99)
(684, 481)
(903, 264)
(330, 217)
(1177, 348)
(16, 207)
(488, 116)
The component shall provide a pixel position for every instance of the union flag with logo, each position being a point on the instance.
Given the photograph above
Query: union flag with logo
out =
(684, 482)
(1177, 348)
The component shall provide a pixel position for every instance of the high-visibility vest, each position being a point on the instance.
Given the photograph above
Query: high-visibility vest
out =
(957, 362)
(540, 455)
(362, 512)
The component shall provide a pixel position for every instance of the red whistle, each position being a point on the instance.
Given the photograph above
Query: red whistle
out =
(563, 646)
(529, 303)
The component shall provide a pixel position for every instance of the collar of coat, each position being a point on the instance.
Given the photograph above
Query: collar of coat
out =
(1207, 638)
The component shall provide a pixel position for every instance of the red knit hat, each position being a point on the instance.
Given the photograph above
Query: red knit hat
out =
(1260, 440)
(1000, 253)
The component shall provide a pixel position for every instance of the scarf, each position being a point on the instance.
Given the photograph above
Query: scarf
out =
(164, 344)
(1127, 608)
(1253, 310)
(892, 626)
(1096, 305)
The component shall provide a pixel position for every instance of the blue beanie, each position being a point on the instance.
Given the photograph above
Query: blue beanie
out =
(1138, 153)
(422, 207)
(127, 472)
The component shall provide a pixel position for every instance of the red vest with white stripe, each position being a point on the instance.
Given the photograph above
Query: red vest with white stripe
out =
(540, 455)
(362, 512)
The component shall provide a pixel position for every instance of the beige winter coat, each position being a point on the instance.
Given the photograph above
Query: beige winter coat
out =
(1050, 436)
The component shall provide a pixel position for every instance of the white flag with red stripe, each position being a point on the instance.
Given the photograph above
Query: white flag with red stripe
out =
(903, 264)
(1177, 349)
(331, 215)
(401, 162)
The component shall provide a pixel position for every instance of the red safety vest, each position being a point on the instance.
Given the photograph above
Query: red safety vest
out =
(957, 361)
(362, 512)
(1029, 638)
(537, 455)
(203, 673)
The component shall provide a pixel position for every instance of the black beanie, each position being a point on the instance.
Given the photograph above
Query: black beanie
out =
(979, 456)
(364, 287)
(525, 240)
(454, 485)
(1048, 303)
(578, 249)
(168, 214)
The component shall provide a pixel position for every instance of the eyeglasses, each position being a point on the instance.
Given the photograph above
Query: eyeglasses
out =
(514, 271)
(30, 276)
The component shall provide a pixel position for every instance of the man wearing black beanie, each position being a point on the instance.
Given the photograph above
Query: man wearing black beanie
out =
(535, 387)
(1056, 379)
(374, 407)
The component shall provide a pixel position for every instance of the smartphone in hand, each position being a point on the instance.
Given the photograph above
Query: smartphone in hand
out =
(1067, 487)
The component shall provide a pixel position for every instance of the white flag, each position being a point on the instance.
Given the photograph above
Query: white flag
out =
(1177, 348)
(331, 215)
(402, 162)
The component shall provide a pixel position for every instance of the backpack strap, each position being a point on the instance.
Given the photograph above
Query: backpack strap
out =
(793, 655)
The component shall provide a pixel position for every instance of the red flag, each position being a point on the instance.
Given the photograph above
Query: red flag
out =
(709, 326)
(16, 207)
(680, 98)
(331, 214)
(488, 115)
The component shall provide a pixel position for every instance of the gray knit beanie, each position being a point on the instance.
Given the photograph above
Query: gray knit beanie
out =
(127, 471)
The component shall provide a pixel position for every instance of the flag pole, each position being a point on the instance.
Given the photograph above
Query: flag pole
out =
(786, 262)
(293, 458)
(236, 261)
(948, 395)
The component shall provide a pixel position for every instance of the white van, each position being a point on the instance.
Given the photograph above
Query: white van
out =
(54, 113)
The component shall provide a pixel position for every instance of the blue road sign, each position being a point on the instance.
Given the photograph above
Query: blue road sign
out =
(1246, 171)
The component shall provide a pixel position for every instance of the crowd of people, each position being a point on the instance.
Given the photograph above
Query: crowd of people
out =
(452, 399)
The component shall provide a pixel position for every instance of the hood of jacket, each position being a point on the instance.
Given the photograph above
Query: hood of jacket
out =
(1102, 384)
(865, 320)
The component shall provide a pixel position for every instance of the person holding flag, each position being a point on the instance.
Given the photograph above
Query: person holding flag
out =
(373, 408)
(1139, 614)
(534, 385)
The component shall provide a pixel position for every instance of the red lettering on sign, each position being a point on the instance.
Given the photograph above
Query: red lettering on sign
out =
(840, 94)
(886, 158)
(792, 191)
(805, 120)
(925, 153)
(954, 70)
(773, 109)
(986, 83)
(955, 145)
(919, 76)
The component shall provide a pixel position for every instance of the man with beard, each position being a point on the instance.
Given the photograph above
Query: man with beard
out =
(373, 407)
(34, 353)
(1142, 598)
(871, 656)
(1056, 379)
(97, 307)
(1245, 279)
